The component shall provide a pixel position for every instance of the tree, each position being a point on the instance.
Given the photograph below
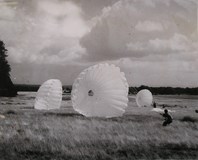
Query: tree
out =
(6, 86)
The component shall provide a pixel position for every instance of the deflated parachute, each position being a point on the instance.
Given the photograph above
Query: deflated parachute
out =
(159, 110)
(49, 95)
(100, 91)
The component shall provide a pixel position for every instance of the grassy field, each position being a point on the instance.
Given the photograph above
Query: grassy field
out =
(27, 134)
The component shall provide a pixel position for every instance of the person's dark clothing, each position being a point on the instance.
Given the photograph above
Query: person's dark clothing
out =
(167, 119)
(154, 105)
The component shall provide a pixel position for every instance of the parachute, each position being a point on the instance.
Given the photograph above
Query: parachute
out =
(100, 91)
(49, 95)
(159, 110)
(144, 98)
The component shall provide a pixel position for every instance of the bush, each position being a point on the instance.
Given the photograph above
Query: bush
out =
(10, 112)
(188, 119)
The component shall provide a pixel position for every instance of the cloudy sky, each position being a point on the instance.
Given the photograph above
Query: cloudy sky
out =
(155, 42)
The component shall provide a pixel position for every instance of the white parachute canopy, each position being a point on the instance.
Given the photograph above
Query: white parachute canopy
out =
(100, 91)
(159, 110)
(49, 95)
(144, 98)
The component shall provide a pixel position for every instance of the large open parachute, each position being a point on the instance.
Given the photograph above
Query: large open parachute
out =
(49, 95)
(100, 91)
(144, 98)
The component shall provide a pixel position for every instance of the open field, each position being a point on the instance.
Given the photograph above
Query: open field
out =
(29, 134)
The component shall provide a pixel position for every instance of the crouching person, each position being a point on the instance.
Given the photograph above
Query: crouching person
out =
(167, 118)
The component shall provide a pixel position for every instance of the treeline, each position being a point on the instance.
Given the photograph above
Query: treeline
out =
(34, 88)
(165, 90)
(132, 90)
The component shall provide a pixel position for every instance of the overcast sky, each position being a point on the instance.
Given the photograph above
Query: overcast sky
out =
(155, 42)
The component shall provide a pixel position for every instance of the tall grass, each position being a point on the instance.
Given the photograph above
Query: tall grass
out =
(59, 135)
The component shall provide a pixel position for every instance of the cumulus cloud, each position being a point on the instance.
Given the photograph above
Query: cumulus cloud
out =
(43, 31)
(148, 26)
(155, 42)
(173, 45)
(157, 73)
(142, 28)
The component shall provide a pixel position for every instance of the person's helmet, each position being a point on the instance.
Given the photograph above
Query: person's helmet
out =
(165, 111)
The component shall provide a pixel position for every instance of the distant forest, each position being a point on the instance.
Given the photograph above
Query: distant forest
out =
(34, 88)
(165, 90)
(132, 90)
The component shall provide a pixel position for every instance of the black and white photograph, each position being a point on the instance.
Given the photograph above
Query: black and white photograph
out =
(98, 79)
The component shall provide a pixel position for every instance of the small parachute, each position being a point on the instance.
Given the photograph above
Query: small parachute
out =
(49, 95)
(100, 91)
(144, 98)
